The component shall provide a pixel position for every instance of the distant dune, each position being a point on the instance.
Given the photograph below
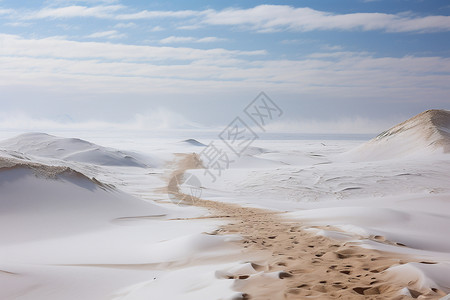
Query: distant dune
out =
(424, 134)
(70, 149)
(194, 142)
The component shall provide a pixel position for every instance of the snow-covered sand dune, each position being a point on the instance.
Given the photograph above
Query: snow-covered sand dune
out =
(425, 134)
(39, 201)
(72, 149)
(193, 142)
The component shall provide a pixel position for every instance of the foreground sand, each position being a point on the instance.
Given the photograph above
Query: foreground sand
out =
(294, 263)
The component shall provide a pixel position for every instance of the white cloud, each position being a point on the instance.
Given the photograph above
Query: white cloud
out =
(262, 18)
(146, 14)
(337, 54)
(13, 45)
(189, 27)
(110, 34)
(268, 18)
(114, 68)
(18, 24)
(73, 11)
(125, 25)
(156, 29)
(176, 39)
(210, 39)
(69, 2)
(190, 39)
(6, 11)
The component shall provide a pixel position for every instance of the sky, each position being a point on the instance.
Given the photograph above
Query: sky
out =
(350, 66)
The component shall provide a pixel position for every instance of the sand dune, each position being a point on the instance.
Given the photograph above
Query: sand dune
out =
(71, 149)
(193, 142)
(426, 133)
(39, 201)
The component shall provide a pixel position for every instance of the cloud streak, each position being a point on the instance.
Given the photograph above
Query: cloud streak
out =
(146, 14)
(261, 18)
(110, 34)
(190, 39)
(74, 11)
(269, 18)
(108, 68)
(17, 46)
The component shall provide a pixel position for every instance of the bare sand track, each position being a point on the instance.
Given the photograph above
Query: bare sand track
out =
(294, 263)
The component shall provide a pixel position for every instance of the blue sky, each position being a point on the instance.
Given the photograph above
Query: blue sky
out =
(352, 66)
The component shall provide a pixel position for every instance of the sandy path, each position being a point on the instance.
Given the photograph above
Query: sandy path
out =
(293, 263)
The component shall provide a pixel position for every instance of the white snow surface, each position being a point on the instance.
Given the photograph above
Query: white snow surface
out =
(69, 236)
